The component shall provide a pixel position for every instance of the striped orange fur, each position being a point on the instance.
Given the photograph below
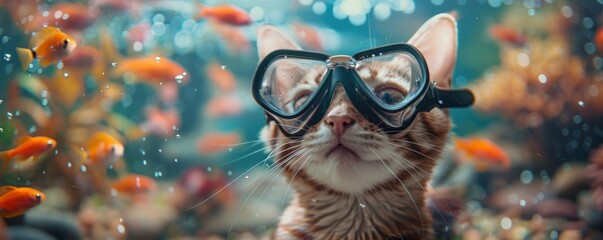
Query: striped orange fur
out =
(375, 187)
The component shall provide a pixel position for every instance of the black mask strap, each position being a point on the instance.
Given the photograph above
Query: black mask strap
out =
(446, 98)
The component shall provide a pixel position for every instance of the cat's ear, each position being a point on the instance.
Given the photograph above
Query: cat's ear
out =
(270, 38)
(437, 40)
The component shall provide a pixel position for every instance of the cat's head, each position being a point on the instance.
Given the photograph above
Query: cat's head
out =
(346, 153)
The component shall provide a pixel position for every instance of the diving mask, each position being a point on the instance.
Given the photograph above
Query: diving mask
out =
(388, 85)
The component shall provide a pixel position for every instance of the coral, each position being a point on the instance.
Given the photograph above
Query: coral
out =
(541, 81)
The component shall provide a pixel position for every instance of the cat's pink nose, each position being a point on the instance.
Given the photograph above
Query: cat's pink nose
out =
(339, 123)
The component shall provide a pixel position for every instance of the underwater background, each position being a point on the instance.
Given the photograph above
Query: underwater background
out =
(171, 87)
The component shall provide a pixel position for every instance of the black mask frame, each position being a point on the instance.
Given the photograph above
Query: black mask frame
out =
(341, 71)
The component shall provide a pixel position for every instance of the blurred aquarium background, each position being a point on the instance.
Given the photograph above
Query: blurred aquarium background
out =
(192, 166)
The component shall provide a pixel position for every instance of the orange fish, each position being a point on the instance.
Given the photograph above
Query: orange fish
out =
(161, 122)
(133, 183)
(223, 106)
(226, 14)
(152, 69)
(83, 57)
(48, 45)
(598, 39)
(213, 143)
(308, 35)
(222, 78)
(74, 16)
(482, 152)
(508, 35)
(104, 149)
(233, 37)
(16, 201)
(29, 147)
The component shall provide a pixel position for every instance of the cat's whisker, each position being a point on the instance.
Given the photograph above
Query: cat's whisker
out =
(405, 189)
(294, 175)
(408, 130)
(424, 174)
(263, 178)
(243, 157)
(225, 186)
(279, 165)
(412, 150)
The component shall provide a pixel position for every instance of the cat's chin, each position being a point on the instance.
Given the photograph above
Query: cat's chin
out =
(342, 152)
(345, 172)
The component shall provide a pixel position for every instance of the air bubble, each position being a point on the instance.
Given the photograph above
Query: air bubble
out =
(179, 78)
(542, 78)
(121, 229)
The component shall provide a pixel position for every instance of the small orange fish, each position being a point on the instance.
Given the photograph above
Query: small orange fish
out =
(222, 78)
(152, 69)
(508, 35)
(598, 39)
(83, 57)
(29, 147)
(103, 149)
(133, 183)
(308, 35)
(15, 201)
(213, 143)
(48, 45)
(234, 38)
(74, 16)
(482, 152)
(226, 14)
(223, 106)
(161, 122)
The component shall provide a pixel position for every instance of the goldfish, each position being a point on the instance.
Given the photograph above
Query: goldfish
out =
(598, 39)
(74, 16)
(15, 201)
(213, 143)
(152, 69)
(133, 183)
(161, 122)
(223, 106)
(104, 149)
(222, 78)
(482, 152)
(308, 35)
(29, 147)
(48, 45)
(234, 38)
(226, 14)
(509, 35)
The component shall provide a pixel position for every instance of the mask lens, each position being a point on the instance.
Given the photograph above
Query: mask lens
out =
(394, 78)
(289, 83)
